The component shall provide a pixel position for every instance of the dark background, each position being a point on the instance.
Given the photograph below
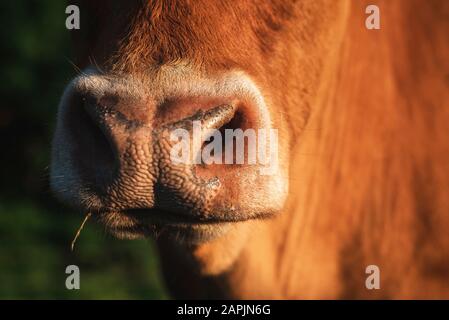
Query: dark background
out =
(35, 230)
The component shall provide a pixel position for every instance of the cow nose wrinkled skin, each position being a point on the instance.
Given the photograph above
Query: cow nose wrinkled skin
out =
(144, 169)
(112, 152)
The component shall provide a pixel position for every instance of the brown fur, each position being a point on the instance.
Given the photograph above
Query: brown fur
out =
(366, 115)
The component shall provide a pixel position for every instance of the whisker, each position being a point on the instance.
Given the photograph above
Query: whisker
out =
(77, 69)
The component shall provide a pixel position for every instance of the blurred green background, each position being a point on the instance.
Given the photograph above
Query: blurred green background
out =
(36, 231)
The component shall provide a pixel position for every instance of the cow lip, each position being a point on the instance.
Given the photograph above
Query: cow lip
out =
(141, 223)
(146, 217)
(166, 217)
(161, 224)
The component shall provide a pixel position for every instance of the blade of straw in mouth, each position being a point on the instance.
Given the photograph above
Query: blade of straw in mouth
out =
(79, 230)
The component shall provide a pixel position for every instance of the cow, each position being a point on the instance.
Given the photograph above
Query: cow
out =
(362, 177)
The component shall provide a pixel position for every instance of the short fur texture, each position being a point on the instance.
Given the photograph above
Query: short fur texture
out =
(365, 114)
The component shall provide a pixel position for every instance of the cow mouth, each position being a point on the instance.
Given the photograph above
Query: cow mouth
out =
(160, 223)
(168, 217)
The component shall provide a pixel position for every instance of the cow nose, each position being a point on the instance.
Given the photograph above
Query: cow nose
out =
(133, 144)
(125, 127)
(111, 139)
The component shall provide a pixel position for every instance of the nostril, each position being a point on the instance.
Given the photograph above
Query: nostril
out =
(222, 153)
(93, 149)
(236, 122)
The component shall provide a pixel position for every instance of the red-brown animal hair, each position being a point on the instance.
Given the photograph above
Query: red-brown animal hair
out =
(369, 178)
(371, 174)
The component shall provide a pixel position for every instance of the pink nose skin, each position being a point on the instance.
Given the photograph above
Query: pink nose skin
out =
(112, 148)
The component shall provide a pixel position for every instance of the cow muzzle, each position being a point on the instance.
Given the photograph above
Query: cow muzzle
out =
(141, 158)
